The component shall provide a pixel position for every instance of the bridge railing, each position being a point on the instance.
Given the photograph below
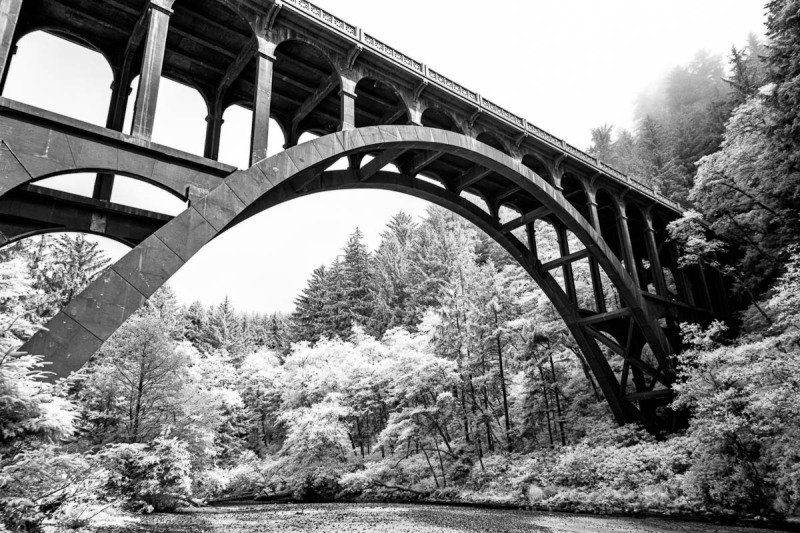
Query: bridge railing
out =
(524, 126)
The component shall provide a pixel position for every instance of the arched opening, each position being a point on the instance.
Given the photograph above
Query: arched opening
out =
(431, 178)
(127, 191)
(575, 193)
(508, 212)
(237, 125)
(493, 141)
(378, 103)
(475, 197)
(435, 118)
(305, 89)
(388, 167)
(59, 75)
(180, 118)
(537, 165)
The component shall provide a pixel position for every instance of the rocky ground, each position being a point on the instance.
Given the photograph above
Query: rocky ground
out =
(355, 518)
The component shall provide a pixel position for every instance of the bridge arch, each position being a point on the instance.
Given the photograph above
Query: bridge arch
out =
(79, 330)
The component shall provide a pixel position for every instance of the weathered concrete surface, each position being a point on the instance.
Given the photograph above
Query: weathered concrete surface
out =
(367, 518)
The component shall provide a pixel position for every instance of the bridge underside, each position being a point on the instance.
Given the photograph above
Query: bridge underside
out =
(640, 320)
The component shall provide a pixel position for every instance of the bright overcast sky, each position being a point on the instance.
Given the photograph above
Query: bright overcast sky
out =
(566, 65)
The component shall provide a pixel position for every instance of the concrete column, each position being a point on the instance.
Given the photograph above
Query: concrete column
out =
(144, 112)
(627, 245)
(9, 14)
(213, 131)
(415, 116)
(348, 95)
(262, 101)
(569, 276)
(120, 90)
(594, 268)
(681, 282)
(655, 260)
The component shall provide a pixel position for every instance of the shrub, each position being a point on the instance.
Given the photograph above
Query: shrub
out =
(150, 477)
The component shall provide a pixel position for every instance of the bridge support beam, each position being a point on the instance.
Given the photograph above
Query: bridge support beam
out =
(655, 260)
(144, 113)
(348, 95)
(627, 244)
(213, 131)
(262, 101)
(9, 14)
(594, 268)
(569, 278)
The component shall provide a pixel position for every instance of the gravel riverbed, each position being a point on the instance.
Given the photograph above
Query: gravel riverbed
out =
(369, 518)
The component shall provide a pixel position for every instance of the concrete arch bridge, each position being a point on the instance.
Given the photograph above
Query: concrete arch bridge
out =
(310, 72)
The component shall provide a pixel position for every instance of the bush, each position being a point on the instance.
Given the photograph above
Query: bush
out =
(150, 477)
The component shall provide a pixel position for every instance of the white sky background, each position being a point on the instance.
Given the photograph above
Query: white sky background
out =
(567, 66)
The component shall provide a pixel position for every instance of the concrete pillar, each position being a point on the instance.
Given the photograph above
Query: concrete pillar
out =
(569, 277)
(626, 244)
(9, 14)
(655, 260)
(144, 112)
(262, 101)
(120, 90)
(348, 95)
(213, 131)
(681, 282)
(594, 268)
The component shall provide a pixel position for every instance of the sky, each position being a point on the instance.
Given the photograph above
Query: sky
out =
(566, 66)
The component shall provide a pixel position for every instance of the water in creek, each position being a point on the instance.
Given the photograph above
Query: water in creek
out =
(385, 518)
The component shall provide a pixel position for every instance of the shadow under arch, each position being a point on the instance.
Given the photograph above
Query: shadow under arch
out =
(436, 118)
(79, 329)
(379, 103)
(312, 101)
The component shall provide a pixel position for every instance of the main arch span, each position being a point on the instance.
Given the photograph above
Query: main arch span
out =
(292, 64)
(78, 330)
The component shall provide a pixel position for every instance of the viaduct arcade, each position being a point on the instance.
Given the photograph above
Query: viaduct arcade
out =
(312, 72)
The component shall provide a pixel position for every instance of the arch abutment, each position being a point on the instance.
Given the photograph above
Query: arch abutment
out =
(144, 113)
(348, 99)
(594, 267)
(213, 130)
(262, 100)
(9, 15)
(563, 250)
(655, 260)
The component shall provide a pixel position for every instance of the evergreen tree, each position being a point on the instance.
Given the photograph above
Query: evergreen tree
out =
(391, 275)
(357, 301)
(308, 319)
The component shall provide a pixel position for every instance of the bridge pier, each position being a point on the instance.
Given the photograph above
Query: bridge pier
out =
(144, 113)
(262, 100)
